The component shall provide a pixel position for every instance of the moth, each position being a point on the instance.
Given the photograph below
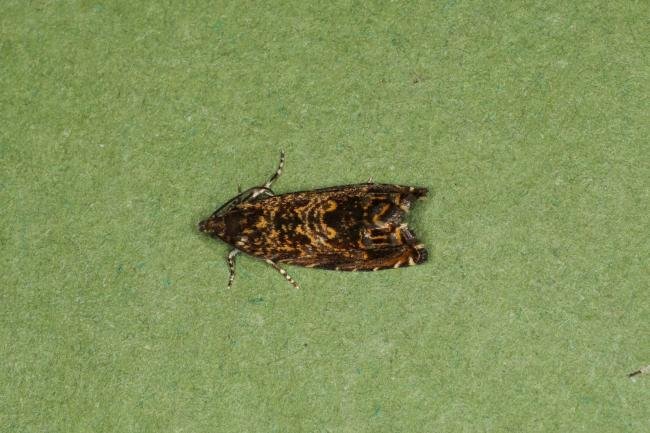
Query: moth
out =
(346, 228)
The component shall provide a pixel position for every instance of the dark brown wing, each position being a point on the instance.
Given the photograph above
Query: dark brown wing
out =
(352, 227)
(364, 260)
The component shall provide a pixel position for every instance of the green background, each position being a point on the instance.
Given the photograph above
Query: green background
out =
(122, 124)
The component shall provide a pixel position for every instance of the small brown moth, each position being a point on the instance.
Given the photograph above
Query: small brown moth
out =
(345, 228)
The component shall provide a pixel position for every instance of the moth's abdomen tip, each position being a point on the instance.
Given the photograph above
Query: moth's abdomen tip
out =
(423, 255)
(419, 192)
(419, 254)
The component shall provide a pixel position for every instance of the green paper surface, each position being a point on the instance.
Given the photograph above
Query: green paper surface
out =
(122, 124)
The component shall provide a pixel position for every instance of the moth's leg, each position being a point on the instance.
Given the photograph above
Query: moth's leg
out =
(284, 273)
(266, 188)
(256, 192)
(277, 173)
(231, 265)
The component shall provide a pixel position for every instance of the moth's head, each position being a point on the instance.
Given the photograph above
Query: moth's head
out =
(223, 225)
(213, 226)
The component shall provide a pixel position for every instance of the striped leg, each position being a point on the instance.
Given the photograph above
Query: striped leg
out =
(284, 273)
(266, 188)
(277, 173)
(231, 265)
(256, 192)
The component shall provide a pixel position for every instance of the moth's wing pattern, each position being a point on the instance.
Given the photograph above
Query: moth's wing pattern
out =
(357, 260)
(358, 228)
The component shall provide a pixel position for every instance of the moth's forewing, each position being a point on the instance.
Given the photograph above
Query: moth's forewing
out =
(352, 227)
